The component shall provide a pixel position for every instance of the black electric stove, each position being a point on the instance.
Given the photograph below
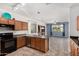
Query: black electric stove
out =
(7, 43)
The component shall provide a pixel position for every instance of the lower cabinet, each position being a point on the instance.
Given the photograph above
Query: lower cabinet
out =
(44, 45)
(74, 48)
(39, 44)
(21, 41)
(33, 42)
(28, 41)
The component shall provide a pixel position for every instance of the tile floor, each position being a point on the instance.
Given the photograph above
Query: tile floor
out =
(57, 46)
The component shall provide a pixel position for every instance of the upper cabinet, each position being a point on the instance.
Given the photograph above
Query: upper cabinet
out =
(24, 26)
(3, 21)
(12, 22)
(18, 25)
(21, 25)
(77, 23)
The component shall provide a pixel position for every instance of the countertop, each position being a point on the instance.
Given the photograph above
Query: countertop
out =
(75, 39)
(18, 35)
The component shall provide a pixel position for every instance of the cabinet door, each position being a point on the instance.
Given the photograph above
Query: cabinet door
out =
(38, 43)
(20, 42)
(23, 41)
(74, 48)
(28, 41)
(24, 26)
(71, 48)
(12, 22)
(3, 21)
(77, 23)
(78, 51)
(44, 45)
(33, 41)
(18, 25)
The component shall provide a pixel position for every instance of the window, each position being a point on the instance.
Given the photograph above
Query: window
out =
(33, 28)
(57, 27)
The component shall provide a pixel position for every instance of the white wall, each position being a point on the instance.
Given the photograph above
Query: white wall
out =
(74, 12)
(60, 15)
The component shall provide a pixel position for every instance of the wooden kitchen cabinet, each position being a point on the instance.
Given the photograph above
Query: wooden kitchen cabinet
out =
(44, 45)
(24, 26)
(77, 23)
(33, 41)
(18, 25)
(21, 25)
(21, 41)
(74, 48)
(28, 41)
(3, 21)
(12, 22)
(38, 44)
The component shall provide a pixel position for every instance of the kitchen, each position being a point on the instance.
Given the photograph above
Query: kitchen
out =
(20, 40)
(38, 29)
(14, 35)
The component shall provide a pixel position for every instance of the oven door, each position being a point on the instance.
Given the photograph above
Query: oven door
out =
(8, 46)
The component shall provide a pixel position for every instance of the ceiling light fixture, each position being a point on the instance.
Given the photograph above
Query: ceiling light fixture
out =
(38, 12)
(47, 3)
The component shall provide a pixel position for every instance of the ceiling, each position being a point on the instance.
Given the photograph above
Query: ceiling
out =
(7, 6)
(40, 11)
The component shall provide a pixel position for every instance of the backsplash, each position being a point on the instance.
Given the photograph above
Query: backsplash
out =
(15, 32)
(20, 32)
(4, 28)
